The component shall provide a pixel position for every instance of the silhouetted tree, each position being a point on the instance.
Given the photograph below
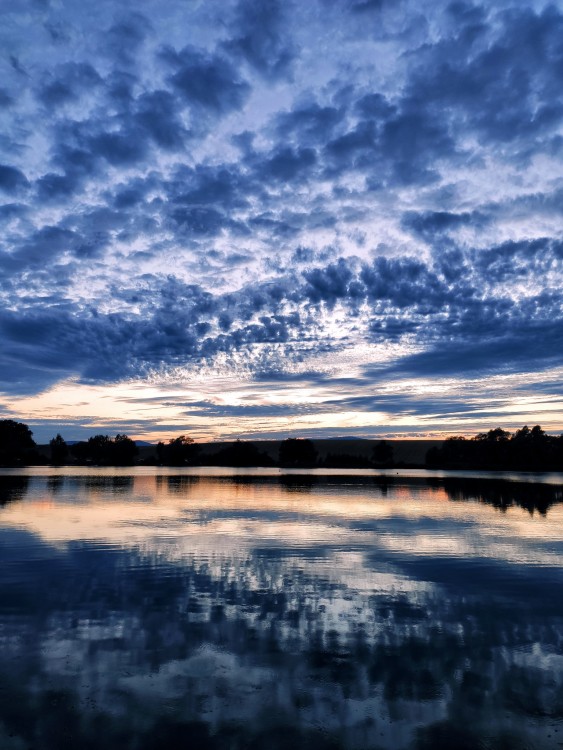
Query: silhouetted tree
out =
(180, 451)
(123, 451)
(98, 448)
(346, 461)
(497, 449)
(382, 454)
(297, 453)
(241, 453)
(494, 436)
(80, 451)
(160, 452)
(59, 450)
(16, 443)
(105, 451)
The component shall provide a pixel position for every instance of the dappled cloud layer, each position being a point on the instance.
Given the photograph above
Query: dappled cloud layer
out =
(222, 205)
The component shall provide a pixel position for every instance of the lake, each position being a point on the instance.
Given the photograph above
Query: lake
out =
(155, 608)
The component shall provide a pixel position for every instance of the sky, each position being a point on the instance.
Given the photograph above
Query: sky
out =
(267, 218)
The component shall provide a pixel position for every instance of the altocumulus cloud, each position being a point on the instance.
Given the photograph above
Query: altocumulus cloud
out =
(282, 186)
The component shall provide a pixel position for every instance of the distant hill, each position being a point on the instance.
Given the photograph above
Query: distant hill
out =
(405, 452)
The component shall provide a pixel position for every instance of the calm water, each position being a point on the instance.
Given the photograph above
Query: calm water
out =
(144, 609)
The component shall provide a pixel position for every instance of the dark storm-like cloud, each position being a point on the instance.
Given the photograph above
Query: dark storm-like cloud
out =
(82, 239)
(395, 147)
(208, 185)
(432, 224)
(310, 123)
(264, 165)
(288, 165)
(413, 141)
(12, 179)
(461, 330)
(528, 346)
(208, 82)
(329, 284)
(519, 259)
(5, 99)
(120, 149)
(408, 283)
(52, 187)
(139, 126)
(157, 113)
(518, 64)
(12, 210)
(68, 82)
(259, 36)
(124, 39)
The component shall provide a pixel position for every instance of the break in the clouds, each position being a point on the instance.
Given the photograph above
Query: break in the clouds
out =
(264, 217)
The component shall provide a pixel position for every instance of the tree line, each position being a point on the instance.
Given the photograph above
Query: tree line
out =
(526, 449)
(17, 448)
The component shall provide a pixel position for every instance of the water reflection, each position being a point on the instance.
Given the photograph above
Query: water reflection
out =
(12, 488)
(503, 495)
(340, 612)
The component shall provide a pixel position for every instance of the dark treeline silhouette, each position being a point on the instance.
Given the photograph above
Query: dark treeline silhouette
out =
(17, 446)
(179, 451)
(242, 454)
(59, 450)
(297, 453)
(104, 451)
(526, 449)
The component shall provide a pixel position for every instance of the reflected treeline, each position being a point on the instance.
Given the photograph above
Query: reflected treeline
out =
(110, 649)
(177, 485)
(13, 488)
(503, 495)
(500, 493)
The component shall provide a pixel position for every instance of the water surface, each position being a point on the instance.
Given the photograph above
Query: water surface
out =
(147, 608)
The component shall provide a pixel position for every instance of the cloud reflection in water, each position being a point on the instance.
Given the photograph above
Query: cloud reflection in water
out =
(329, 612)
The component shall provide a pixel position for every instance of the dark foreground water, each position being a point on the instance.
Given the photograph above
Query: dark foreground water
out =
(149, 610)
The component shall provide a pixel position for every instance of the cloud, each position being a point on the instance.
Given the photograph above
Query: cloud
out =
(287, 164)
(12, 179)
(207, 81)
(310, 123)
(68, 82)
(433, 224)
(528, 347)
(280, 188)
(328, 284)
(157, 113)
(5, 99)
(259, 36)
(123, 40)
(515, 61)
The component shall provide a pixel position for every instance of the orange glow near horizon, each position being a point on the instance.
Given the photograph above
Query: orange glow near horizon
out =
(227, 408)
(195, 512)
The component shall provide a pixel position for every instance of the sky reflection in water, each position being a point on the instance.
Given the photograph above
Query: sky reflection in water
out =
(279, 611)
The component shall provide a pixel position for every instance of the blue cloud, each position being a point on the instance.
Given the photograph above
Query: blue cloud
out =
(206, 81)
(67, 83)
(257, 184)
(259, 36)
(12, 179)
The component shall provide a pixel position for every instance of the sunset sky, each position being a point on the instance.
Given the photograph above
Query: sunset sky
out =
(263, 218)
